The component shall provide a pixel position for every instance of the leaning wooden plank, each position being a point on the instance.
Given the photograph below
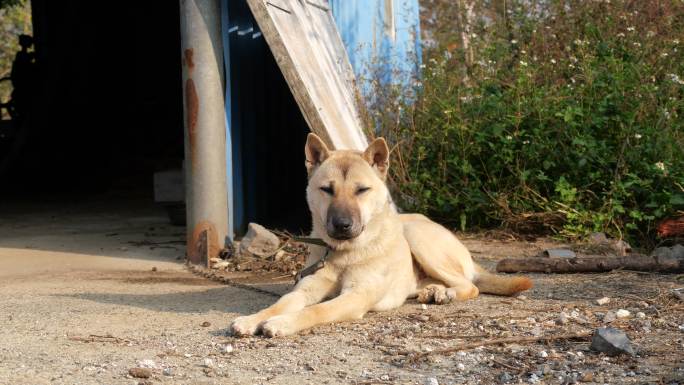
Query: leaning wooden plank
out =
(315, 65)
(636, 262)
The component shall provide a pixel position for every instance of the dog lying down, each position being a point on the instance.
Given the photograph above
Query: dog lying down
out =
(376, 258)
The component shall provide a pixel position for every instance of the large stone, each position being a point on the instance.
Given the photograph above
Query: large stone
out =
(259, 242)
(611, 341)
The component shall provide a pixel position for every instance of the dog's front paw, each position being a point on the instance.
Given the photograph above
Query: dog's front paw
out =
(279, 326)
(244, 326)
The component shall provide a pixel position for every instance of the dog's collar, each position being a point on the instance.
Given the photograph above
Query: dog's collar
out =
(319, 264)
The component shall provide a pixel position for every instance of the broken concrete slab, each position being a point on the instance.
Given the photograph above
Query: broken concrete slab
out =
(259, 242)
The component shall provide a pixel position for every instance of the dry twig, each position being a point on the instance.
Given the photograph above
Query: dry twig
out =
(98, 338)
(507, 340)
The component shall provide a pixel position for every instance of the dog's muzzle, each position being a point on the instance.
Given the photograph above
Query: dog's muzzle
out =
(341, 225)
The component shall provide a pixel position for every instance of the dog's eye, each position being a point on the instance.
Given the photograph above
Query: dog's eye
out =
(328, 190)
(362, 190)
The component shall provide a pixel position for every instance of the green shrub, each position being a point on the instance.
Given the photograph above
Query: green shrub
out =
(566, 120)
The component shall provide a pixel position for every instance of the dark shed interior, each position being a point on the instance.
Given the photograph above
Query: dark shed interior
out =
(106, 113)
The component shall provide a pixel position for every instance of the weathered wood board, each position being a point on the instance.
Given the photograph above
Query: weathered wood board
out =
(307, 46)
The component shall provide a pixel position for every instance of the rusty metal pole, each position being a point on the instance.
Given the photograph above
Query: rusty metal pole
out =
(205, 131)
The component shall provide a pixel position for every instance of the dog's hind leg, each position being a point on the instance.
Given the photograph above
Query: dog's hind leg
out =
(433, 291)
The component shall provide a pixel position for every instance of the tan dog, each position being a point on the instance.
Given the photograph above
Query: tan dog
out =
(377, 258)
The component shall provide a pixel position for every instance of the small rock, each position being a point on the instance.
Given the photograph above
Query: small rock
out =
(227, 349)
(534, 378)
(609, 317)
(154, 268)
(208, 363)
(641, 315)
(521, 297)
(205, 324)
(603, 301)
(543, 354)
(622, 313)
(460, 367)
(259, 241)
(505, 377)
(140, 372)
(385, 377)
(536, 331)
(220, 265)
(563, 318)
(611, 341)
(424, 307)
(167, 372)
(622, 248)
(598, 238)
(587, 377)
(431, 381)
(678, 293)
(150, 364)
(558, 253)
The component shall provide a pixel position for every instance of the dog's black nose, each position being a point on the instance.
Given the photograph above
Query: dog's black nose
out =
(342, 224)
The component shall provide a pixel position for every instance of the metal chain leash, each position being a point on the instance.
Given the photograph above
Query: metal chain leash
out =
(209, 274)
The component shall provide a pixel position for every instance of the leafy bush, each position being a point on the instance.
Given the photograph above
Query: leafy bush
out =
(552, 116)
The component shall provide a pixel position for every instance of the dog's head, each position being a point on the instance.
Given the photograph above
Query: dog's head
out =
(346, 189)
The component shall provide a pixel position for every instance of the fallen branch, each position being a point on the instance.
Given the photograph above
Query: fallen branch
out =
(507, 340)
(636, 262)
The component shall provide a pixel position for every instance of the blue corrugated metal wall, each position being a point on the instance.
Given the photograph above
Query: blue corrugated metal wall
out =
(262, 116)
(382, 39)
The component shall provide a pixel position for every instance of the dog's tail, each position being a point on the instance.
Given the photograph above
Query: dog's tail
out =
(491, 283)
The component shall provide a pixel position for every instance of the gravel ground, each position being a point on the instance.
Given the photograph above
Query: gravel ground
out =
(71, 317)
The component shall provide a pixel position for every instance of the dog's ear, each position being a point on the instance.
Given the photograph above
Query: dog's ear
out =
(377, 155)
(316, 152)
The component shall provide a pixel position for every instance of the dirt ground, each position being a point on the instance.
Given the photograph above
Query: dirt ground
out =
(86, 297)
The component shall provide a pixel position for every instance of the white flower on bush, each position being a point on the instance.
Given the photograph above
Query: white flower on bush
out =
(675, 41)
(675, 78)
(630, 29)
(620, 34)
(664, 54)
(637, 44)
(514, 41)
(637, 136)
(509, 137)
(553, 61)
(660, 166)
(523, 63)
(526, 142)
